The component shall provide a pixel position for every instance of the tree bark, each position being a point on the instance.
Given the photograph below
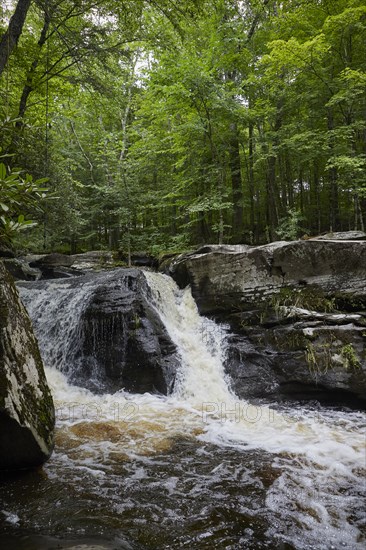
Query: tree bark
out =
(28, 88)
(10, 38)
(251, 178)
(334, 224)
(237, 189)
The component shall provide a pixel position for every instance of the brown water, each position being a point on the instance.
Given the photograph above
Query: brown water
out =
(178, 493)
(199, 469)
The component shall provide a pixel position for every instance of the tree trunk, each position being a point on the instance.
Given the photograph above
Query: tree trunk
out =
(251, 178)
(272, 188)
(10, 38)
(271, 208)
(28, 88)
(333, 181)
(237, 190)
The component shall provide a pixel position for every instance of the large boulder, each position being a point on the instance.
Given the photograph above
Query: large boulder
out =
(101, 330)
(54, 266)
(303, 357)
(227, 278)
(20, 270)
(27, 414)
(296, 312)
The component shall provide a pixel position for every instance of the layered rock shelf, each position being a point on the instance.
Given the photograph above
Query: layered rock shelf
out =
(296, 310)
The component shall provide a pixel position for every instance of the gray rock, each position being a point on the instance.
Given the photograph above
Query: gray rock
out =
(296, 311)
(342, 236)
(54, 266)
(114, 338)
(53, 260)
(249, 369)
(123, 339)
(26, 409)
(237, 278)
(323, 356)
(94, 260)
(21, 270)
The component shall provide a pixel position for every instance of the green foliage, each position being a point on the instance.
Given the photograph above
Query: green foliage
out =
(290, 227)
(18, 196)
(349, 357)
(162, 127)
(309, 298)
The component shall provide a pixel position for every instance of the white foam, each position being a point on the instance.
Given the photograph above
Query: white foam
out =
(318, 453)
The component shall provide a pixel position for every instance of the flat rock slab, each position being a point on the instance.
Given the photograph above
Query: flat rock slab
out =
(230, 278)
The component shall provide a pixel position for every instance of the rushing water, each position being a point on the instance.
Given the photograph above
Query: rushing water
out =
(197, 469)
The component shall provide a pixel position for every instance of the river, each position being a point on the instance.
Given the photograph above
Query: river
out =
(197, 469)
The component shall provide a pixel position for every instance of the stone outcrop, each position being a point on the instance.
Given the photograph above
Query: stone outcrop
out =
(227, 278)
(123, 339)
(297, 312)
(342, 236)
(26, 409)
(20, 270)
(62, 266)
(54, 266)
(114, 339)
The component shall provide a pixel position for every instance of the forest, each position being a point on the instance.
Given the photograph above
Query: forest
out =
(159, 125)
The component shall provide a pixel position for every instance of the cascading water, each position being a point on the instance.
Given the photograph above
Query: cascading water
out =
(196, 469)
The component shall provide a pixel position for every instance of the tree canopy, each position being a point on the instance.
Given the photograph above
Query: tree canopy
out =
(162, 125)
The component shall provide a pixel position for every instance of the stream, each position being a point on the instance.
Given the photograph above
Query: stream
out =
(197, 469)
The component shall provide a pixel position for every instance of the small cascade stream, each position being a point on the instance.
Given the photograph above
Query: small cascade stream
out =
(198, 468)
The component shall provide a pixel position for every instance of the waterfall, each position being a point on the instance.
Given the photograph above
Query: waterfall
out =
(199, 340)
(201, 386)
(55, 308)
(318, 454)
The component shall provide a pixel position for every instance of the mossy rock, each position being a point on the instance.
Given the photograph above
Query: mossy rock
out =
(27, 415)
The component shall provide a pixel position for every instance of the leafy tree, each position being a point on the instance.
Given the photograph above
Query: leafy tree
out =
(163, 126)
(19, 195)
(11, 36)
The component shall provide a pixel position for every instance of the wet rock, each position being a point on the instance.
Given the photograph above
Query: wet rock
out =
(26, 407)
(123, 339)
(238, 277)
(114, 339)
(249, 369)
(21, 270)
(296, 312)
(306, 359)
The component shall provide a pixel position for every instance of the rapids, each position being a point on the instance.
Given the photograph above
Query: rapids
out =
(195, 469)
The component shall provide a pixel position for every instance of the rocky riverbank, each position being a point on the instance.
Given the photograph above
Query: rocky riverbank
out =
(296, 312)
(297, 315)
(26, 409)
